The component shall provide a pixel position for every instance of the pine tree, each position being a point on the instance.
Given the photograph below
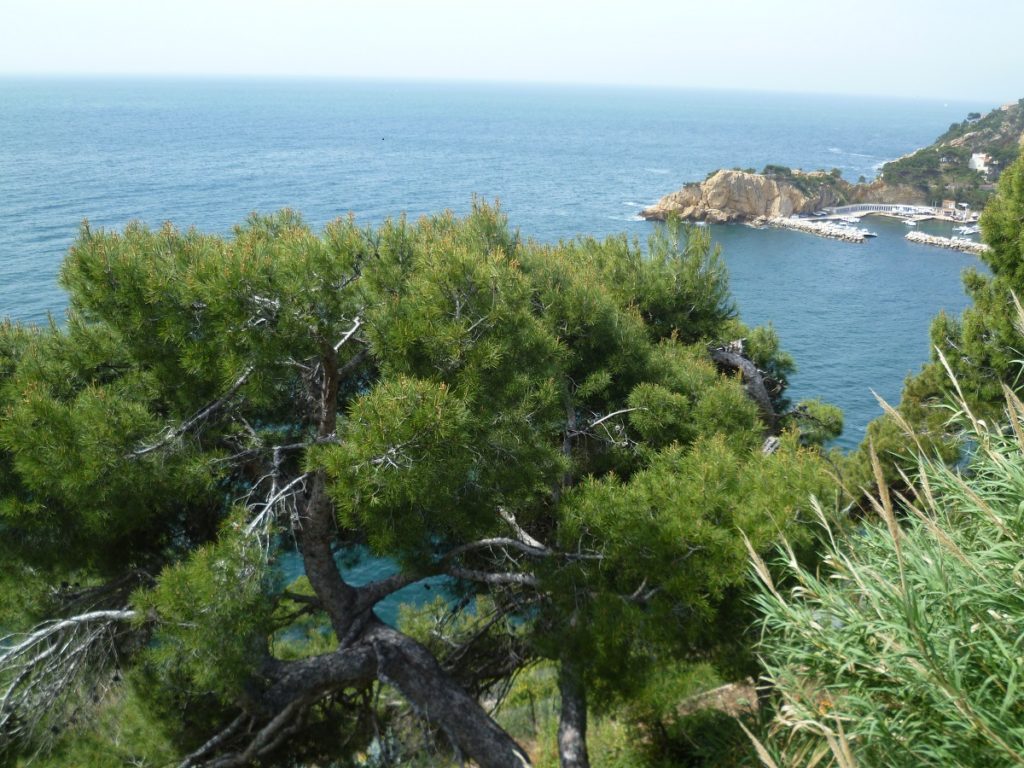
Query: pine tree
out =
(543, 426)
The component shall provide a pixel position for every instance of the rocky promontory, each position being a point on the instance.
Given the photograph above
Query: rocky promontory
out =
(734, 195)
(961, 165)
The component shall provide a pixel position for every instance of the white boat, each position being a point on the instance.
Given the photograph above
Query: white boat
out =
(910, 222)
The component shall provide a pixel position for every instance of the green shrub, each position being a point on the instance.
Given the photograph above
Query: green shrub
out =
(907, 648)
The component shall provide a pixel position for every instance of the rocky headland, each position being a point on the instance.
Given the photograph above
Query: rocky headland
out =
(962, 164)
(733, 195)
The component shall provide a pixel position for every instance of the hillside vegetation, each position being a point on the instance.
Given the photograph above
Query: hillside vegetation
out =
(941, 170)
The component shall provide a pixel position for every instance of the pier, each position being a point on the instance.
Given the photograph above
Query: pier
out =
(897, 211)
(893, 209)
(955, 243)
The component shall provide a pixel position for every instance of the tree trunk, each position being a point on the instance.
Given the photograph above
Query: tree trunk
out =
(363, 639)
(572, 724)
(413, 670)
(755, 382)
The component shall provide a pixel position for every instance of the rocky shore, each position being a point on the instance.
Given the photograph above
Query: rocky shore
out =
(740, 196)
(821, 228)
(955, 243)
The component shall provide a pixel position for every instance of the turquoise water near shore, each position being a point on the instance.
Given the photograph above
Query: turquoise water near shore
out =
(563, 161)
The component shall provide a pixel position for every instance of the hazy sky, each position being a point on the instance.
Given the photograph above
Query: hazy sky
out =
(947, 49)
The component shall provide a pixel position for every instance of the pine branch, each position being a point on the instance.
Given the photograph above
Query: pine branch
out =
(203, 414)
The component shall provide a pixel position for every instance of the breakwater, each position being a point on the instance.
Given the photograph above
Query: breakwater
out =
(820, 228)
(955, 243)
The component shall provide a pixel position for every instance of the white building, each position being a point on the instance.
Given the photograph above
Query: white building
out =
(979, 162)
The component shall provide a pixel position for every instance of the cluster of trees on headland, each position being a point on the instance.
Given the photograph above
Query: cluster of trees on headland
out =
(580, 444)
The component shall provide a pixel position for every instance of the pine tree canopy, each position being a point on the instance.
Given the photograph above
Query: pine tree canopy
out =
(562, 433)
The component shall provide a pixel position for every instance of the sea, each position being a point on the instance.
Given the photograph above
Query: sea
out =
(563, 161)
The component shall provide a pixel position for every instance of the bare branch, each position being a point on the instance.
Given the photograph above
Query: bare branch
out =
(353, 362)
(372, 593)
(44, 670)
(200, 416)
(278, 498)
(641, 595)
(193, 758)
(298, 597)
(349, 334)
(529, 549)
(522, 579)
(520, 533)
(759, 386)
(52, 628)
(605, 418)
(268, 738)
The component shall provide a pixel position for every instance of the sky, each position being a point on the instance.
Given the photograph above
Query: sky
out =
(942, 49)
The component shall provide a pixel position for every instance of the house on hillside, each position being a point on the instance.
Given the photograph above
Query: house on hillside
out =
(979, 162)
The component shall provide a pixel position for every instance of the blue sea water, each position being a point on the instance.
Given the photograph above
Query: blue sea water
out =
(563, 161)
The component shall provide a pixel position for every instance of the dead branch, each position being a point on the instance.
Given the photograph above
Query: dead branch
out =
(348, 334)
(605, 418)
(758, 384)
(500, 543)
(496, 579)
(42, 671)
(520, 533)
(203, 414)
(194, 758)
(286, 723)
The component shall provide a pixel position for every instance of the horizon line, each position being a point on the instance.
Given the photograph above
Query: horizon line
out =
(412, 80)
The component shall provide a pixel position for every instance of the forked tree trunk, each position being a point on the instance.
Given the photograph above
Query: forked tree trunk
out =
(400, 661)
(572, 724)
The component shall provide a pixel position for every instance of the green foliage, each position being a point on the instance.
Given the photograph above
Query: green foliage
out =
(480, 377)
(677, 518)
(810, 184)
(820, 422)
(73, 411)
(663, 727)
(118, 733)
(907, 645)
(670, 723)
(213, 614)
(982, 348)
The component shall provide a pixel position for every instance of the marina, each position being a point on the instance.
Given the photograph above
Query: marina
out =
(841, 223)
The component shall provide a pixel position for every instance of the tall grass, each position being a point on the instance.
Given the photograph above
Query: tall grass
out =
(906, 647)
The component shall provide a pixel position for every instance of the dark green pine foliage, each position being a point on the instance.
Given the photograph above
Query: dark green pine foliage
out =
(541, 424)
